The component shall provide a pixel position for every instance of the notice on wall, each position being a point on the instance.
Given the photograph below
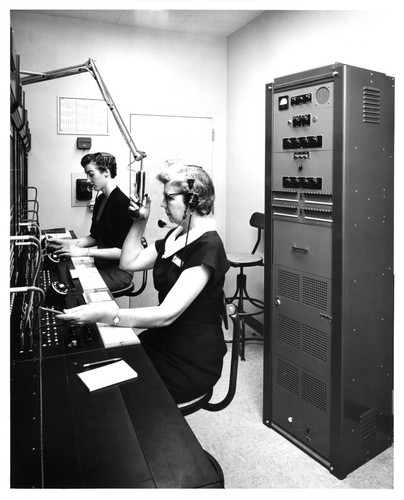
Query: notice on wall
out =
(78, 116)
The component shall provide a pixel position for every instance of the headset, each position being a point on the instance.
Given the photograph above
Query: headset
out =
(191, 199)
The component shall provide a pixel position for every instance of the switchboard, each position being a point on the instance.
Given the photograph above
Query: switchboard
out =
(329, 281)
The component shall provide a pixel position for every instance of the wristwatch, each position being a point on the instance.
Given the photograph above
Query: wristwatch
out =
(116, 318)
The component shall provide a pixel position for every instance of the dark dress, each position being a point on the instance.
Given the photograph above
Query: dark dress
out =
(188, 354)
(110, 225)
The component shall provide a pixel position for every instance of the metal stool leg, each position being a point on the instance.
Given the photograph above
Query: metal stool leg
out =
(241, 286)
(240, 296)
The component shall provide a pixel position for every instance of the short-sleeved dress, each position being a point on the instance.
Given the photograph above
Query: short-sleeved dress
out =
(188, 354)
(110, 226)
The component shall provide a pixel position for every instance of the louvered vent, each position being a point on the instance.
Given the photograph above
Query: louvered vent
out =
(314, 391)
(288, 284)
(288, 377)
(288, 331)
(371, 105)
(368, 424)
(318, 198)
(285, 196)
(315, 293)
(314, 342)
(285, 211)
(317, 214)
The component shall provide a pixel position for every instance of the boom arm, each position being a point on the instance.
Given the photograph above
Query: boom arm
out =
(89, 67)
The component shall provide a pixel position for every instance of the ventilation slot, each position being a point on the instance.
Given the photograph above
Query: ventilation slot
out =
(314, 391)
(285, 196)
(285, 211)
(288, 331)
(368, 424)
(318, 198)
(317, 215)
(288, 284)
(315, 293)
(371, 105)
(314, 342)
(288, 377)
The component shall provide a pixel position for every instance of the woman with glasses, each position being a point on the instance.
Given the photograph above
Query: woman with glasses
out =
(110, 223)
(183, 335)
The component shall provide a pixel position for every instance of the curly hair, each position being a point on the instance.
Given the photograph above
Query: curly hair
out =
(179, 174)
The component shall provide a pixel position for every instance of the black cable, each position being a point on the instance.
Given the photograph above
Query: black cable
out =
(186, 239)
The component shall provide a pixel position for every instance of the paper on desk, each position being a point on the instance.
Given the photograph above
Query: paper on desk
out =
(116, 336)
(101, 296)
(82, 262)
(107, 375)
(90, 278)
(65, 235)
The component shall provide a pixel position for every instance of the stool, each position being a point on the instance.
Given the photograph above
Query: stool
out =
(240, 261)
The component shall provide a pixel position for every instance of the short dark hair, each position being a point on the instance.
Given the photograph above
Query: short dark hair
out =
(86, 160)
(103, 162)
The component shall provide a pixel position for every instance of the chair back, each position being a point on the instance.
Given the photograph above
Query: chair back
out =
(257, 220)
(203, 402)
(235, 347)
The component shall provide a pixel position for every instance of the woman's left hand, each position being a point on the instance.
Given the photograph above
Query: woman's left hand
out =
(89, 313)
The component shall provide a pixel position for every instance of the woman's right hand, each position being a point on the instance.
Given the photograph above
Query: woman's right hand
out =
(88, 313)
(139, 210)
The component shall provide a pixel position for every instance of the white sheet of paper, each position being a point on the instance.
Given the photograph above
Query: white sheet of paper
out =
(90, 278)
(104, 376)
(115, 336)
(82, 262)
(102, 296)
(65, 236)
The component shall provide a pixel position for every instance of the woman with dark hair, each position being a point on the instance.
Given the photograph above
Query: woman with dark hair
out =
(110, 223)
(184, 337)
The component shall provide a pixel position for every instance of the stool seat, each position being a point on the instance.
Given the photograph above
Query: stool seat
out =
(243, 259)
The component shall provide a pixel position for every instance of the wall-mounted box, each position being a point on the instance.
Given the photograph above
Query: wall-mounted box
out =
(83, 143)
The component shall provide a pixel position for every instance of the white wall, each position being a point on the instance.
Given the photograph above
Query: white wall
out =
(161, 71)
(146, 71)
(276, 44)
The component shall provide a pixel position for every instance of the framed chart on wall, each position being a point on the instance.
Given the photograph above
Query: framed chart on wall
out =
(82, 116)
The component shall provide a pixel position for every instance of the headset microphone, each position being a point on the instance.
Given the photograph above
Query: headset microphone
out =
(164, 224)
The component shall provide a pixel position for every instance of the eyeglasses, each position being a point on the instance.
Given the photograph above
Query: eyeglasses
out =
(170, 196)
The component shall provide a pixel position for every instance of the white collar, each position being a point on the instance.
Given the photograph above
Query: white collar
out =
(173, 244)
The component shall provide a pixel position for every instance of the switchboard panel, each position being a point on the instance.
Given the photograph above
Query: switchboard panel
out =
(328, 357)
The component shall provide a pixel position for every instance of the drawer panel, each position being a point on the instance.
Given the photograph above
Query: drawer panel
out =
(304, 247)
